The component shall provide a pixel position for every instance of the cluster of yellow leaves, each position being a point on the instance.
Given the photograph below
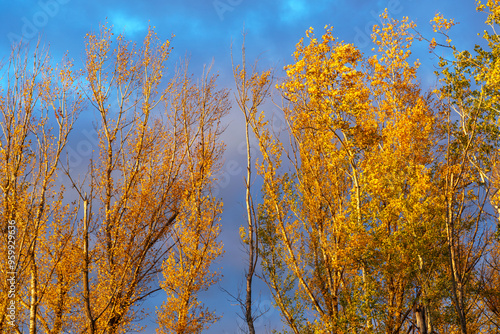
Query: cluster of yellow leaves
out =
(147, 197)
(186, 270)
(362, 140)
(38, 108)
(492, 8)
(440, 23)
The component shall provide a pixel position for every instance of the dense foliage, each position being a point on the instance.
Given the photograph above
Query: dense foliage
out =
(379, 210)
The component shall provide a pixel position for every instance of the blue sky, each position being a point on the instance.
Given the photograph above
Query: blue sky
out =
(204, 30)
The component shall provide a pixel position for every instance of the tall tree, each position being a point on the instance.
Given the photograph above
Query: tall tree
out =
(148, 199)
(339, 229)
(470, 103)
(195, 114)
(86, 266)
(39, 105)
(252, 90)
(399, 199)
(305, 214)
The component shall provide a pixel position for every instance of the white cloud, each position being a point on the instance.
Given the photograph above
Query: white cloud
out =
(294, 9)
(126, 24)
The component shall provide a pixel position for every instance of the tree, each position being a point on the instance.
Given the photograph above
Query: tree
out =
(196, 111)
(469, 98)
(399, 199)
(305, 241)
(150, 184)
(86, 266)
(350, 233)
(252, 89)
(39, 105)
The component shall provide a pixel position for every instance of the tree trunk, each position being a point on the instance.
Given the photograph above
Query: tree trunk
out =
(33, 294)
(421, 319)
(86, 261)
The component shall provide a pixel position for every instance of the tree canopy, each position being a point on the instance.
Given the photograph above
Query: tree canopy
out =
(378, 211)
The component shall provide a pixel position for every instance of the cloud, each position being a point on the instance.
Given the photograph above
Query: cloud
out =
(293, 10)
(126, 24)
